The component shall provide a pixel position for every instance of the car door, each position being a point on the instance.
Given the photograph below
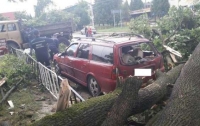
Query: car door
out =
(81, 62)
(3, 32)
(69, 58)
(14, 32)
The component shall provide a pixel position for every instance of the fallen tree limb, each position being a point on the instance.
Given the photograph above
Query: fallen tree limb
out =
(94, 111)
(10, 91)
(183, 107)
(122, 107)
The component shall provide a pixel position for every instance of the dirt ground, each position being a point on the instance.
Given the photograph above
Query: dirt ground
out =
(31, 103)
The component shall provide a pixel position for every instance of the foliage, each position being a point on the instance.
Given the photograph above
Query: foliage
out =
(13, 68)
(136, 5)
(102, 11)
(51, 17)
(22, 15)
(81, 12)
(2, 18)
(160, 7)
(125, 11)
(16, 0)
(179, 30)
(41, 6)
(141, 25)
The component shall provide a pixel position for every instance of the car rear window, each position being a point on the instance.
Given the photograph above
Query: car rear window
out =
(102, 54)
(131, 54)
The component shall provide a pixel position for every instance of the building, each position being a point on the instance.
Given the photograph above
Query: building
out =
(9, 15)
(147, 7)
(137, 13)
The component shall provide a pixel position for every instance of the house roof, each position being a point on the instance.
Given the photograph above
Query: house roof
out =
(9, 15)
(141, 11)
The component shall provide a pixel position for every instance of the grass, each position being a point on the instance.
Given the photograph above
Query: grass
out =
(22, 116)
(114, 29)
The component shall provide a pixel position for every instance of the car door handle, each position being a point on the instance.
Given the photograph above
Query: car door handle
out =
(70, 61)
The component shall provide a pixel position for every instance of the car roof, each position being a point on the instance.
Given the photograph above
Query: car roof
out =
(112, 41)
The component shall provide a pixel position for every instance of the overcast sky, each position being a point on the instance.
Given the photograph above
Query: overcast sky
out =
(29, 5)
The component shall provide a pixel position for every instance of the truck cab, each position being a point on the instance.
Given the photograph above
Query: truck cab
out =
(10, 31)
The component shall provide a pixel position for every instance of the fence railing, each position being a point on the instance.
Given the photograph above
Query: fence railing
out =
(47, 77)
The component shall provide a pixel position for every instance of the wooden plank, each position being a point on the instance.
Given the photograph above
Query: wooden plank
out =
(172, 51)
(2, 81)
(173, 58)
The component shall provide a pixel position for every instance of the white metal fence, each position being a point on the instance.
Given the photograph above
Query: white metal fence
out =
(47, 77)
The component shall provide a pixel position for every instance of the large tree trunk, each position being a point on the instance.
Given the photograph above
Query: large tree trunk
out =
(121, 109)
(183, 106)
(94, 111)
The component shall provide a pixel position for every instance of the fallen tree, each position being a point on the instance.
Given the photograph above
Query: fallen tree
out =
(94, 111)
(183, 105)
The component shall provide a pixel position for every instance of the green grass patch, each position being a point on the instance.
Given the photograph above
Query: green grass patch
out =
(114, 29)
(25, 108)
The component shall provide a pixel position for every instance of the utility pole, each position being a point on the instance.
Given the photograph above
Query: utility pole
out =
(92, 14)
(121, 17)
(114, 18)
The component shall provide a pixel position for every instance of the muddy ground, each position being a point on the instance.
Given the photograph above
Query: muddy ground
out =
(31, 103)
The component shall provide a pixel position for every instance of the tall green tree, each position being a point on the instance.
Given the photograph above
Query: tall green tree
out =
(41, 6)
(22, 15)
(81, 11)
(102, 11)
(125, 11)
(136, 5)
(160, 7)
(16, 0)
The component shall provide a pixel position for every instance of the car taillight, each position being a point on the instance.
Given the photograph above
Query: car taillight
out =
(115, 73)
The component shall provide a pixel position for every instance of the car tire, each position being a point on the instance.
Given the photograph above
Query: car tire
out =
(93, 86)
(57, 69)
(12, 45)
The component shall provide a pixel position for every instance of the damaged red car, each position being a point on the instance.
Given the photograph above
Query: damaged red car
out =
(95, 63)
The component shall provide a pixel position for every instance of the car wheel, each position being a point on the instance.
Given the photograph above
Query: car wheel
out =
(10, 47)
(93, 86)
(57, 69)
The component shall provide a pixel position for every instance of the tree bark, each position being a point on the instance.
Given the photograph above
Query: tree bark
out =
(94, 111)
(121, 109)
(183, 105)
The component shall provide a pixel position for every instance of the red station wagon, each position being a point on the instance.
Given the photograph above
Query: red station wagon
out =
(95, 63)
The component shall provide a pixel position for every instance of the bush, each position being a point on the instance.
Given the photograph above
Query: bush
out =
(12, 68)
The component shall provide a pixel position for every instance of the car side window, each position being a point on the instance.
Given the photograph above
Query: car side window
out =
(72, 49)
(83, 51)
(12, 27)
(107, 55)
(102, 54)
(2, 28)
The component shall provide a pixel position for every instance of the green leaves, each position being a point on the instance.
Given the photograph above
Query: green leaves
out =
(136, 5)
(13, 68)
(102, 11)
(179, 29)
(160, 7)
(141, 25)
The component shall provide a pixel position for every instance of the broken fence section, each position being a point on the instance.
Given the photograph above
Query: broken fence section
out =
(47, 77)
